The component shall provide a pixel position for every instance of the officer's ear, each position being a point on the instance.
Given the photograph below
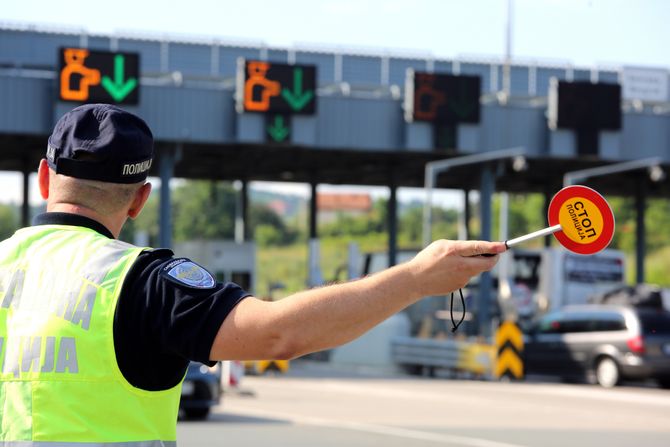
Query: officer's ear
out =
(141, 197)
(43, 178)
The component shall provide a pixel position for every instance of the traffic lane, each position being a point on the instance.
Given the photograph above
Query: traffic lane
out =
(409, 411)
(226, 428)
(461, 403)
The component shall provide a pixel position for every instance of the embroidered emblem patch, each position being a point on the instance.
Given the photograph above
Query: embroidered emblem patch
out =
(186, 272)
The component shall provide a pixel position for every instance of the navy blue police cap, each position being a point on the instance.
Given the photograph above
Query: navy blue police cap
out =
(101, 142)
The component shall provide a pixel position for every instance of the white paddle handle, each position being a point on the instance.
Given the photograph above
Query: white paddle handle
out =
(545, 232)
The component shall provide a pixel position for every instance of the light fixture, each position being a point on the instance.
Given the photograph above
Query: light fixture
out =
(519, 163)
(656, 173)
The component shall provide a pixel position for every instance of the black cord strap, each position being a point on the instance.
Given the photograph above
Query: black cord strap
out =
(451, 311)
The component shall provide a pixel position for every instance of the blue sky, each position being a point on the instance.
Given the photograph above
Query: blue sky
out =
(609, 33)
(583, 32)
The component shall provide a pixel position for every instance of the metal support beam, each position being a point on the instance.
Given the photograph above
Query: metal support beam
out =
(640, 231)
(548, 195)
(486, 189)
(166, 170)
(464, 217)
(25, 206)
(570, 178)
(393, 225)
(242, 212)
(313, 208)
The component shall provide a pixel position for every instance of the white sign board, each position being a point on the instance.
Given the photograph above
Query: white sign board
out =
(645, 84)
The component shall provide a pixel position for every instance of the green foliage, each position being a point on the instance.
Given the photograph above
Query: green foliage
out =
(267, 235)
(444, 225)
(288, 264)
(525, 214)
(269, 229)
(203, 209)
(656, 265)
(146, 222)
(9, 221)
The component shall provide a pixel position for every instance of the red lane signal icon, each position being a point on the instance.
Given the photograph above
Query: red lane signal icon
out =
(585, 217)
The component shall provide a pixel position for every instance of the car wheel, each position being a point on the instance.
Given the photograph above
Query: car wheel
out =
(607, 372)
(196, 413)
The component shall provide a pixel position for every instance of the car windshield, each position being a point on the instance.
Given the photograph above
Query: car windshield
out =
(655, 323)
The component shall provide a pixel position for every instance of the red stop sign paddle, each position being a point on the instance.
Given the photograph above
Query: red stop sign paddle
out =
(581, 220)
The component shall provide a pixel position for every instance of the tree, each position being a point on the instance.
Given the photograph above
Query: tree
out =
(204, 210)
(268, 228)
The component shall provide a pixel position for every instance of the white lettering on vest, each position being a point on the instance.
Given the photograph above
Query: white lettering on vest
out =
(25, 354)
(71, 298)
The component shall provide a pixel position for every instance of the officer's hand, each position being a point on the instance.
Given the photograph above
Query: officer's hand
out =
(445, 266)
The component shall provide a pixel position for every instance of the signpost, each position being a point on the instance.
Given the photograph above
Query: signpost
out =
(98, 76)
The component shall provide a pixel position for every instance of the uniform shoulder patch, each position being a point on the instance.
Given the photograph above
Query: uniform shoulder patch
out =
(185, 272)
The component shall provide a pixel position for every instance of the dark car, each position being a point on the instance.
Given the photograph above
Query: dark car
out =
(200, 391)
(602, 343)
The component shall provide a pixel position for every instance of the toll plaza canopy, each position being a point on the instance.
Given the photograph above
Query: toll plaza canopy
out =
(230, 111)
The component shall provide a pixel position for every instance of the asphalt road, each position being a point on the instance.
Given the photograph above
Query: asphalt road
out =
(312, 406)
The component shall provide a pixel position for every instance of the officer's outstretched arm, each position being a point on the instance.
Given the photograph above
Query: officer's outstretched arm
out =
(329, 316)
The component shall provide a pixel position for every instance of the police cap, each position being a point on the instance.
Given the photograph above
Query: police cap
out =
(101, 142)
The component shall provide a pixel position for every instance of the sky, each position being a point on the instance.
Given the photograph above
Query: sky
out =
(585, 33)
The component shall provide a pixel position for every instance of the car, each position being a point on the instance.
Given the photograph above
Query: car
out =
(201, 390)
(603, 343)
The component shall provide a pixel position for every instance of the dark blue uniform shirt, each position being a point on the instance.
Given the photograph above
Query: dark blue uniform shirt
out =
(160, 325)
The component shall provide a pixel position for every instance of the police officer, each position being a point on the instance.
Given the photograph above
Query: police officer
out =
(96, 334)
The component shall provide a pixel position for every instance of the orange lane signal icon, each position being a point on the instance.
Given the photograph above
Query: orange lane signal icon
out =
(74, 66)
(258, 90)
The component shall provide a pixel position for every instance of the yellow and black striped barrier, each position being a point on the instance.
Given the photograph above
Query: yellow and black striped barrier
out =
(257, 367)
(509, 344)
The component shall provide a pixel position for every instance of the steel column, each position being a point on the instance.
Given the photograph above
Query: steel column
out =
(486, 189)
(166, 170)
(393, 225)
(640, 231)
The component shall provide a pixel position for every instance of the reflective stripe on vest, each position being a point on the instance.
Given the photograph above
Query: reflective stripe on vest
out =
(88, 444)
(59, 380)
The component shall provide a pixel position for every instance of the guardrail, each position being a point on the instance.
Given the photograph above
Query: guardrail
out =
(426, 356)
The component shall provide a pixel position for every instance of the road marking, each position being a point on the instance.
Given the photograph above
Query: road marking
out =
(623, 395)
(373, 428)
(615, 395)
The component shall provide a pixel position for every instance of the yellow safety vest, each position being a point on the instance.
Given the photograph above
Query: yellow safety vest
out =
(60, 384)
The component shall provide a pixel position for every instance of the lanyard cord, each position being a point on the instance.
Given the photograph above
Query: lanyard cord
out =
(451, 311)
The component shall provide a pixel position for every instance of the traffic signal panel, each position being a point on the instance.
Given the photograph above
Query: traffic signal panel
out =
(98, 76)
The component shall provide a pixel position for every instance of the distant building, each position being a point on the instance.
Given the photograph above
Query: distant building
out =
(278, 206)
(330, 205)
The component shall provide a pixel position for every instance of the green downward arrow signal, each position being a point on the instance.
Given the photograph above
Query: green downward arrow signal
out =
(463, 108)
(297, 99)
(119, 88)
(278, 131)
